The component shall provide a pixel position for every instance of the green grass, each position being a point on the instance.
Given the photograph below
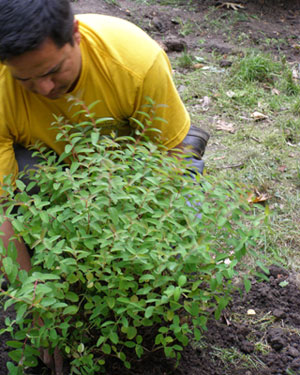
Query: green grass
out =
(232, 356)
(262, 155)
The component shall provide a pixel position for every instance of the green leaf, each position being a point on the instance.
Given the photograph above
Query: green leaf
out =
(194, 309)
(21, 311)
(263, 267)
(16, 355)
(283, 283)
(130, 344)
(177, 293)
(100, 340)
(68, 148)
(8, 265)
(114, 338)
(71, 310)
(15, 344)
(127, 364)
(14, 272)
(247, 284)
(106, 349)
(139, 351)
(71, 296)
(111, 302)
(13, 370)
(197, 334)
(149, 311)
(139, 339)
(182, 280)
(53, 334)
(169, 352)
(95, 137)
(170, 315)
(44, 276)
(131, 332)
(20, 185)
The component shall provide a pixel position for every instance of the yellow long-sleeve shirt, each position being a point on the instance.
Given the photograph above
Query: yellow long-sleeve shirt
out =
(121, 66)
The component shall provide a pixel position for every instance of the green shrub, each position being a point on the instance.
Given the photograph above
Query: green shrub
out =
(120, 251)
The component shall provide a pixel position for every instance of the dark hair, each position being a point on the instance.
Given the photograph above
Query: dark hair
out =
(26, 24)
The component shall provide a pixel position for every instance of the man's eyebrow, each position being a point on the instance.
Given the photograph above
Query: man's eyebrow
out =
(51, 71)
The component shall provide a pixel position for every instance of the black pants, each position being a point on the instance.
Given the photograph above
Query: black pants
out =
(26, 160)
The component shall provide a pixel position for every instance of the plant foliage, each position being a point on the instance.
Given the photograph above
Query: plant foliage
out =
(125, 242)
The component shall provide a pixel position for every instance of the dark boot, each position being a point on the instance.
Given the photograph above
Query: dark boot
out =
(196, 141)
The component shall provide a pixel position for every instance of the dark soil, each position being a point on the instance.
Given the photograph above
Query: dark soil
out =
(267, 342)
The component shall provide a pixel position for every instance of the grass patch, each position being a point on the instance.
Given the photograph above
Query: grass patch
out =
(232, 356)
(262, 153)
(257, 67)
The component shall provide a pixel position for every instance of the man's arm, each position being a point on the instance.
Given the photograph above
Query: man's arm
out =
(23, 257)
(8, 166)
(159, 99)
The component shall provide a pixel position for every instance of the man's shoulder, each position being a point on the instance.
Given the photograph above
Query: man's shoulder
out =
(5, 84)
(8, 94)
(118, 39)
(101, 23)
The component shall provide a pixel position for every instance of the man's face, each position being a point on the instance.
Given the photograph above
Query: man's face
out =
(49, 71)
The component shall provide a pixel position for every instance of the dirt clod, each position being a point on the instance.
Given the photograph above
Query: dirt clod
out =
(276, 338)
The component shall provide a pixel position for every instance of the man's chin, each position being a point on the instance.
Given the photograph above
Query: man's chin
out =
(54, 96)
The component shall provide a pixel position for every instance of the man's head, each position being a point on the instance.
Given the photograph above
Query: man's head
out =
(39, 42)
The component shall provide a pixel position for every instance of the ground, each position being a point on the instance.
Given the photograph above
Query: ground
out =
(259, 333)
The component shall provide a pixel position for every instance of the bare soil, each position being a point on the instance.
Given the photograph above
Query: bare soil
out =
(268, 341)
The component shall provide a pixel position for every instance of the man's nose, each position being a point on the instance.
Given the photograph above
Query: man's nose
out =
(43, 86)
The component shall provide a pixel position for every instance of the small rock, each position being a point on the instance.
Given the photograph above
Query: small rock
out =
(277, 271)
(279, 314)
(225, 63)
(247, 347)
(220, 47)
(3, 284)
(181, 89)
(276, 338)
(175, 45)
(293, 352)
(295, 365)
(158, 24)
(127, 12)
(175, 21)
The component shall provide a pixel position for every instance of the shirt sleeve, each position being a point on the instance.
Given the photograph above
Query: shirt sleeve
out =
(159, 99)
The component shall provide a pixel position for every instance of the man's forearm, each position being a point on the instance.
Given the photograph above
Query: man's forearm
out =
(23, 257)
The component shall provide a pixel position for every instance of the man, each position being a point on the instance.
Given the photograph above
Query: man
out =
(48, 56)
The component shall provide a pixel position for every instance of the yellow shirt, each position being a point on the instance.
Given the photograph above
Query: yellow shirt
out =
(121, 66)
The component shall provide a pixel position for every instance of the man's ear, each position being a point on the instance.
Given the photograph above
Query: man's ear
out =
(76, 32)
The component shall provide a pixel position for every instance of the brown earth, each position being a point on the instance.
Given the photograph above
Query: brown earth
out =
(269, 341)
